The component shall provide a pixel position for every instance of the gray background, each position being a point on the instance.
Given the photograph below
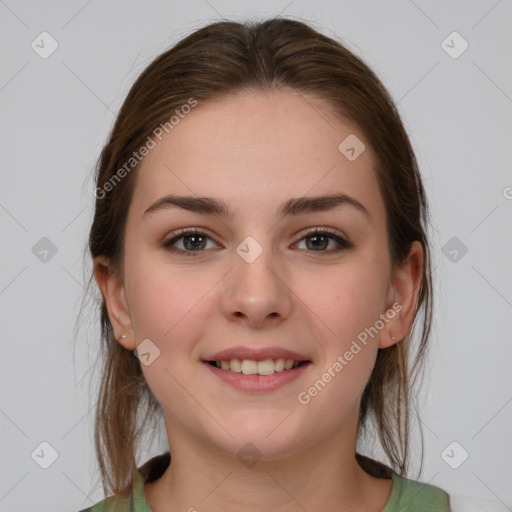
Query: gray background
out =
(56, 114)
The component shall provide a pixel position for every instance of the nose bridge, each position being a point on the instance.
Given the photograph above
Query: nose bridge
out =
(256, 290)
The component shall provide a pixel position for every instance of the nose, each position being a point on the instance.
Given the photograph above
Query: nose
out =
(257, 292)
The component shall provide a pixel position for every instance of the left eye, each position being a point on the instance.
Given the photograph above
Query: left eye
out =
(320, 239)
(195, 241)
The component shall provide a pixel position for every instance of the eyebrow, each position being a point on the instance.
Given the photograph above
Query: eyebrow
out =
(294, 206)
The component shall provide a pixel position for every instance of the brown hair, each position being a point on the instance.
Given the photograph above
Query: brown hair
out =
(215, 61)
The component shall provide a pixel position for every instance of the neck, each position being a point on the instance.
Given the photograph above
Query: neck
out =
(313, 479)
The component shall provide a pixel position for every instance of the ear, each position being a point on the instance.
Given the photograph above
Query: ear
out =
(112, 288)
(402, 297)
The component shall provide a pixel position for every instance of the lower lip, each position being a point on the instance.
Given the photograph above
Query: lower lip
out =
(258, 382)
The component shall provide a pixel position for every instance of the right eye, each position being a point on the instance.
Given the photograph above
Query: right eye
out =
(193, 241)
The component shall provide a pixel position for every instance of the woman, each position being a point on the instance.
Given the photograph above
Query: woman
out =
(259, 242)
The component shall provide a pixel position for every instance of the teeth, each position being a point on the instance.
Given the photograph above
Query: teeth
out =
(235, 365)
(279, 365)
(266, 367)
(251, 367)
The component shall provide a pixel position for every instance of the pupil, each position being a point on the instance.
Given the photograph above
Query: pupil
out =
(194, 245)
(316, 237)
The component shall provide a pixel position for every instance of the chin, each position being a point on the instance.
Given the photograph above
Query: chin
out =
(272, 434)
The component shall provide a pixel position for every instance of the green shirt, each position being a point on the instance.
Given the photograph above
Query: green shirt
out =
(406, 495)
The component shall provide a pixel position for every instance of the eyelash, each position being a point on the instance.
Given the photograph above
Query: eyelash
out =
(310, 232)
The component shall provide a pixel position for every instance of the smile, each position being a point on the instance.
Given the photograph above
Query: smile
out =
(253, 367)
(251, 376)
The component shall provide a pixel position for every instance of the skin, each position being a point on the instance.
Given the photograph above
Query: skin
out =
(255, 151)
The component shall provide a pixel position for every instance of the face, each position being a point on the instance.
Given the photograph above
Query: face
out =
(264, 281)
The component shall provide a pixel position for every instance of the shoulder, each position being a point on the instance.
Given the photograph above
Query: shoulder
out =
(111, 504)
(415, 496)
(406, 495)
(115, 504)
(125, 503)
(136, 501)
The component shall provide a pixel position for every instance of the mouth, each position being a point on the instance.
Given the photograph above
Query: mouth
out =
(257, 369)
(262, 367)
(257, 375)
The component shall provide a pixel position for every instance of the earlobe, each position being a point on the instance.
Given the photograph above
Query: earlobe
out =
(405, 287)
(112, 289)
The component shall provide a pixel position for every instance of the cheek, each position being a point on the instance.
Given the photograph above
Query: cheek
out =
(346, 305)
(170, 307)
(165, 300)
(346, 300)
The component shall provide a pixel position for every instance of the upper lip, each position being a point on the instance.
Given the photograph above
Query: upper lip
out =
(256, 354)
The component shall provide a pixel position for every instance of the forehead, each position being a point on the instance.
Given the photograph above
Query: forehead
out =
(256, 148)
